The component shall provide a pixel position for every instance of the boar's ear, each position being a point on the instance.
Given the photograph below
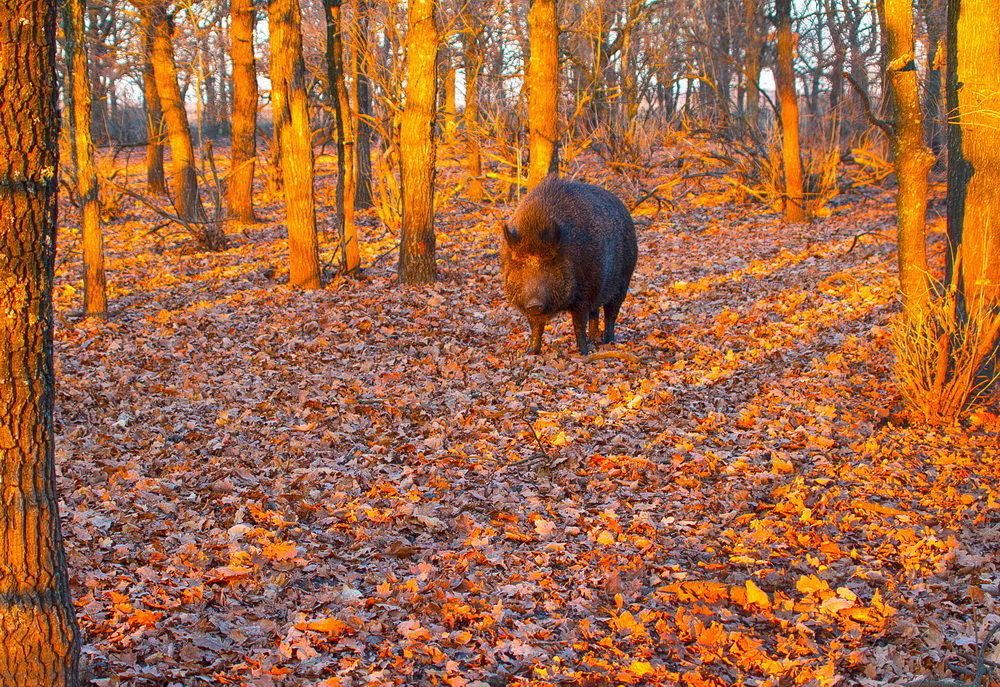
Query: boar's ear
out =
(510, 234)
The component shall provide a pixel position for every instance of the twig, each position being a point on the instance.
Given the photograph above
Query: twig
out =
(885, 126)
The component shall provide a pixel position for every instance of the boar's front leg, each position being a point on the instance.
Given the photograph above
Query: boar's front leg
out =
(537, 327)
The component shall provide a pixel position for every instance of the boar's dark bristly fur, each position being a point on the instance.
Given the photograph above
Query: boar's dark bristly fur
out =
(570, 247)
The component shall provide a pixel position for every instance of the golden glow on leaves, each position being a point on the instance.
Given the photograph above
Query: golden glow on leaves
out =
(364, 485)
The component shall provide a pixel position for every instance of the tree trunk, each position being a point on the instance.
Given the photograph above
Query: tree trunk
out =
(346, 181)
(473, 57)
(542, 82)
(155, 182)
(912, 158)
(187, 202)
(362, 83)
(39, 640)
(239, 191)
(291, 114)
(973, 166)
(790, 153)
(416, 143)
(95, 302)
(751, 66)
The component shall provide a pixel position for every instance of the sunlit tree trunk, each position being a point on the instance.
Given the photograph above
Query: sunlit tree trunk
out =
(346, 180)
(291, 113)
(95, 302)
(187, 202)
(155, 181)
(416, 143)
(973, 162)
(473, 57)
(791, 155)
(239, 191)
(39, 641)
(912, 158)
(542, 83)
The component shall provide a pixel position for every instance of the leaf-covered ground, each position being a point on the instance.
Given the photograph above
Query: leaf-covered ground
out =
(370, 485)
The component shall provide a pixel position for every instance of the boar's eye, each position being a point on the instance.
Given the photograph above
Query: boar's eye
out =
(552, 233)
(510, 234)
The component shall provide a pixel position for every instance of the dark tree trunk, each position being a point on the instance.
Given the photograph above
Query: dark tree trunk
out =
(346, 180)
(155, 180)
(973, 165)
(39, 640)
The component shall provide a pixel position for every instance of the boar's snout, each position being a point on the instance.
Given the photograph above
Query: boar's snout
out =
(534, 308)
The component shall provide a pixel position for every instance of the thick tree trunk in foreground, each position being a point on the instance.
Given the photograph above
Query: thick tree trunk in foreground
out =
(912, 158)
(95, 301)
(291, 114)
(973, 141)
(239, 191)
(416, 144)
(39, 641)
(542, 83)
(791, 155)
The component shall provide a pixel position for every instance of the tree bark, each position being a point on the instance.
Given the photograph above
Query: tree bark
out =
(973, 142)
(416, 143)
(346, 180)
(95, 301)
(187, 202)
(39, 640)
(473, 62)
(239, 191)
(291, 113)
(542, 83)
(751, 66)
(155, 180)
(791, 155)
(912, 158)
(363, 97)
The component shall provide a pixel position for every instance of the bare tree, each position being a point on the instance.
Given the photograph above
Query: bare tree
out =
(187, 202)
(542, 83)
(791, 155)
(291, 114)
(346, 178)
(416, 142)
(244, 118)
(912, 158)
(95, 300)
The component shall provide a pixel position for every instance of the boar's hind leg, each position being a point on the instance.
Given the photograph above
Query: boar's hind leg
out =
(610, 315)
(580, 318)
(537, 327)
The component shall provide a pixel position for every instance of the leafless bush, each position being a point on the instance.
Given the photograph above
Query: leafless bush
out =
(944, 362)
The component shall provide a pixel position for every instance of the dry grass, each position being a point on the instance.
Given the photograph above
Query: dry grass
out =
(943, 362)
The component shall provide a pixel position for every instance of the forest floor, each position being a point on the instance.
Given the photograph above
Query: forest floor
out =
(371, 485)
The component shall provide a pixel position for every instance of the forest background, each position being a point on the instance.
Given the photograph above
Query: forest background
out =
(285, 460)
